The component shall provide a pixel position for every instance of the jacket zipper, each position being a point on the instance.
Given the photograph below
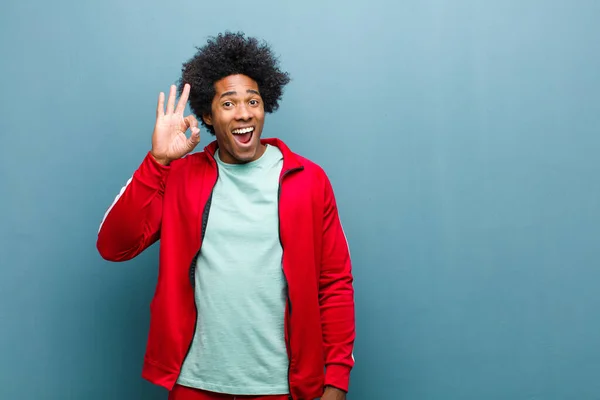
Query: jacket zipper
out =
(289, 301)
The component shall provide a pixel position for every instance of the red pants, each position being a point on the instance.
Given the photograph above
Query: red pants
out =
(186, 393)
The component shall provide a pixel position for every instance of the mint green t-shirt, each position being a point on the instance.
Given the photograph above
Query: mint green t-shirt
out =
(239, 345)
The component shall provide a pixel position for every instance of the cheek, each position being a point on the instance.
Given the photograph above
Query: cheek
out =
(223, 124)
(259, 116)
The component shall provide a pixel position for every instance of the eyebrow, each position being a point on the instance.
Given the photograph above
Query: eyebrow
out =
(232, 93)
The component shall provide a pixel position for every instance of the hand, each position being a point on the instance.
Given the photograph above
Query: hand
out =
(169, 141)
(332, 393)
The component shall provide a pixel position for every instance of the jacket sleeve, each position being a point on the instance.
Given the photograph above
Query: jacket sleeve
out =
(336, 297)
(132, 222)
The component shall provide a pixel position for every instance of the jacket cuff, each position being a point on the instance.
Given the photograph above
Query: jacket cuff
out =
(151, 173)
(337, 376)
(155, 165)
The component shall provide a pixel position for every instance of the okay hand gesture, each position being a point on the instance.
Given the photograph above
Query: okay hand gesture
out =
(169, 140)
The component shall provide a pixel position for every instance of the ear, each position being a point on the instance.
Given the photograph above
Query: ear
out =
(207, 118)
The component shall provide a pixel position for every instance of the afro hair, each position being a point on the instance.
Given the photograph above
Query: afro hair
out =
(231, 54)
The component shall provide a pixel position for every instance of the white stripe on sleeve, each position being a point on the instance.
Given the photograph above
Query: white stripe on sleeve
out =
(115, 202)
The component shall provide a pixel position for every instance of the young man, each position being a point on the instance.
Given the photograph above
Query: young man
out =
(254, 298)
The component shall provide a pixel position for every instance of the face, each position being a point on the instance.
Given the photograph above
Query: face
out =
(237, 116)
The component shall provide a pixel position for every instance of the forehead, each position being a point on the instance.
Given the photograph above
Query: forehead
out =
(237, 83)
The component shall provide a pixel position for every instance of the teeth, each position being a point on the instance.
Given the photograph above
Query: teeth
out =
(242, 131)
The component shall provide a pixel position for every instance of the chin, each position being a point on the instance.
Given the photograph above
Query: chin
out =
(246, 156)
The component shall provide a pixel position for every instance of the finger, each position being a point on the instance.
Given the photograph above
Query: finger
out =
(160, 108)
(183, 99)
(191, 121)
(171, 102)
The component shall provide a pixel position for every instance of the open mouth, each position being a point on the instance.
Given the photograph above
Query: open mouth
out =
(243, 135)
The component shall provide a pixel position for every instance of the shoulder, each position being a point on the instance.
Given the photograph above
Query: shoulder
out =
(314, 173)
(190, 166)
(309, 166)
(189, 160)
(294, 160)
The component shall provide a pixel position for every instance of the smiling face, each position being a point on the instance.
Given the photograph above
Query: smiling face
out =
(237, 116)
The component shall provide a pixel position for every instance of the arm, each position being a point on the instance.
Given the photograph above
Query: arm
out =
(336, 298)
(133, 221)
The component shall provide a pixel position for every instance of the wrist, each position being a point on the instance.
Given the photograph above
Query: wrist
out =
(333, 393)
(160, 160)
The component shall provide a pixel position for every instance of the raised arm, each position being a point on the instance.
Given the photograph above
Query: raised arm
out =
(132, 222)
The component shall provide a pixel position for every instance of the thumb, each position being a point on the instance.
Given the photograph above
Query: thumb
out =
(194, 139)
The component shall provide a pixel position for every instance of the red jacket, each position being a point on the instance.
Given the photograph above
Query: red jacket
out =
(171, 203)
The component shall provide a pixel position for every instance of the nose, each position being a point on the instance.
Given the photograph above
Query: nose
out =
(243, 113)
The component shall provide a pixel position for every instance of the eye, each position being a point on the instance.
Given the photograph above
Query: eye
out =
(253, 102)
(227, 104)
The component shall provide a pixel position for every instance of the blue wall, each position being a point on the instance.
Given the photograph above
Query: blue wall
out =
(462, 139)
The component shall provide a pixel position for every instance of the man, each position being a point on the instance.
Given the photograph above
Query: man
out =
(254, 298)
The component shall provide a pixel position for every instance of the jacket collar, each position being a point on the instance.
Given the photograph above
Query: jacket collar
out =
(290, 160)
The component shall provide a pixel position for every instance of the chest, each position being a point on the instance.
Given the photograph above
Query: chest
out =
(244, 207)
